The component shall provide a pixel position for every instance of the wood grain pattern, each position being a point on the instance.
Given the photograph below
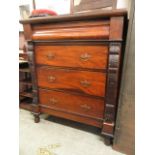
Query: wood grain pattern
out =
(112, 88)
(109, 113)
(91, 83)
(116, 28)
(72, 103)
(73, 117)
(93, 57)
(100, 15)
(27, 32)
(95, 38)
(31, 61)
(71, 24)
(30, 107)
(108, 129)
(72, 30)
(95, 32)
(21, 41)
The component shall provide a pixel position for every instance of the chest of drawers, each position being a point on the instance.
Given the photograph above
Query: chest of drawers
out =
(75, 63)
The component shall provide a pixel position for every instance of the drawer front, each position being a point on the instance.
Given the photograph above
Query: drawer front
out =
(74, 117)
(92, 83)
(72, 103)
(72, 30)
(93, 57)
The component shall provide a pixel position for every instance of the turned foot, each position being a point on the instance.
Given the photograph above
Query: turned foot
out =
(107, 141)
(36, 118)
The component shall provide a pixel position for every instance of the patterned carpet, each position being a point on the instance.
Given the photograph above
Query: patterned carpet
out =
(53, 136)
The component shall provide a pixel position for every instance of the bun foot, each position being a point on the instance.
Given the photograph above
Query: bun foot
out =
(36, 118)
(108, 141)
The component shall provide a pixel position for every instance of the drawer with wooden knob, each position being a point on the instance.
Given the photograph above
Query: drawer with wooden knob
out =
(80, 105)
(91, 83)
(83, 56)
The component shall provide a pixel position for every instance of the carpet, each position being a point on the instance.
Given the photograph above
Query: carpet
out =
(55, 136)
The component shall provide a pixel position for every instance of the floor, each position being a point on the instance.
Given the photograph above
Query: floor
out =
(54, 136)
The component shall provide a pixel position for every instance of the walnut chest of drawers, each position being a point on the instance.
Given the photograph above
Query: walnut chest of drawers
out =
(75, 64)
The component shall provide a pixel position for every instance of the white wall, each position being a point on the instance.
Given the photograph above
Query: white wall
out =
(124, 4)
(24, 2)
(120, 3)
(59, 6)
(63, 6)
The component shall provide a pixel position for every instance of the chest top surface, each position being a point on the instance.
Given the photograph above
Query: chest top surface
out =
(79, 16)
(100, 25)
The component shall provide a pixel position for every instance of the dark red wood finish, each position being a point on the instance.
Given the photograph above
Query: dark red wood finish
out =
(72, 30)
(86, 56)
(76, 65)
(87, 82)
(77, 104)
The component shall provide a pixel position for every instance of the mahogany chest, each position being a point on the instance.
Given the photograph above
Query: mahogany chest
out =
(75, 63)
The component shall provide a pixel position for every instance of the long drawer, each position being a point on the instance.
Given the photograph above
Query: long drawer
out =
(92, 83)
(80, 105)
(70, 116)
(72, 30)
(84, 56)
